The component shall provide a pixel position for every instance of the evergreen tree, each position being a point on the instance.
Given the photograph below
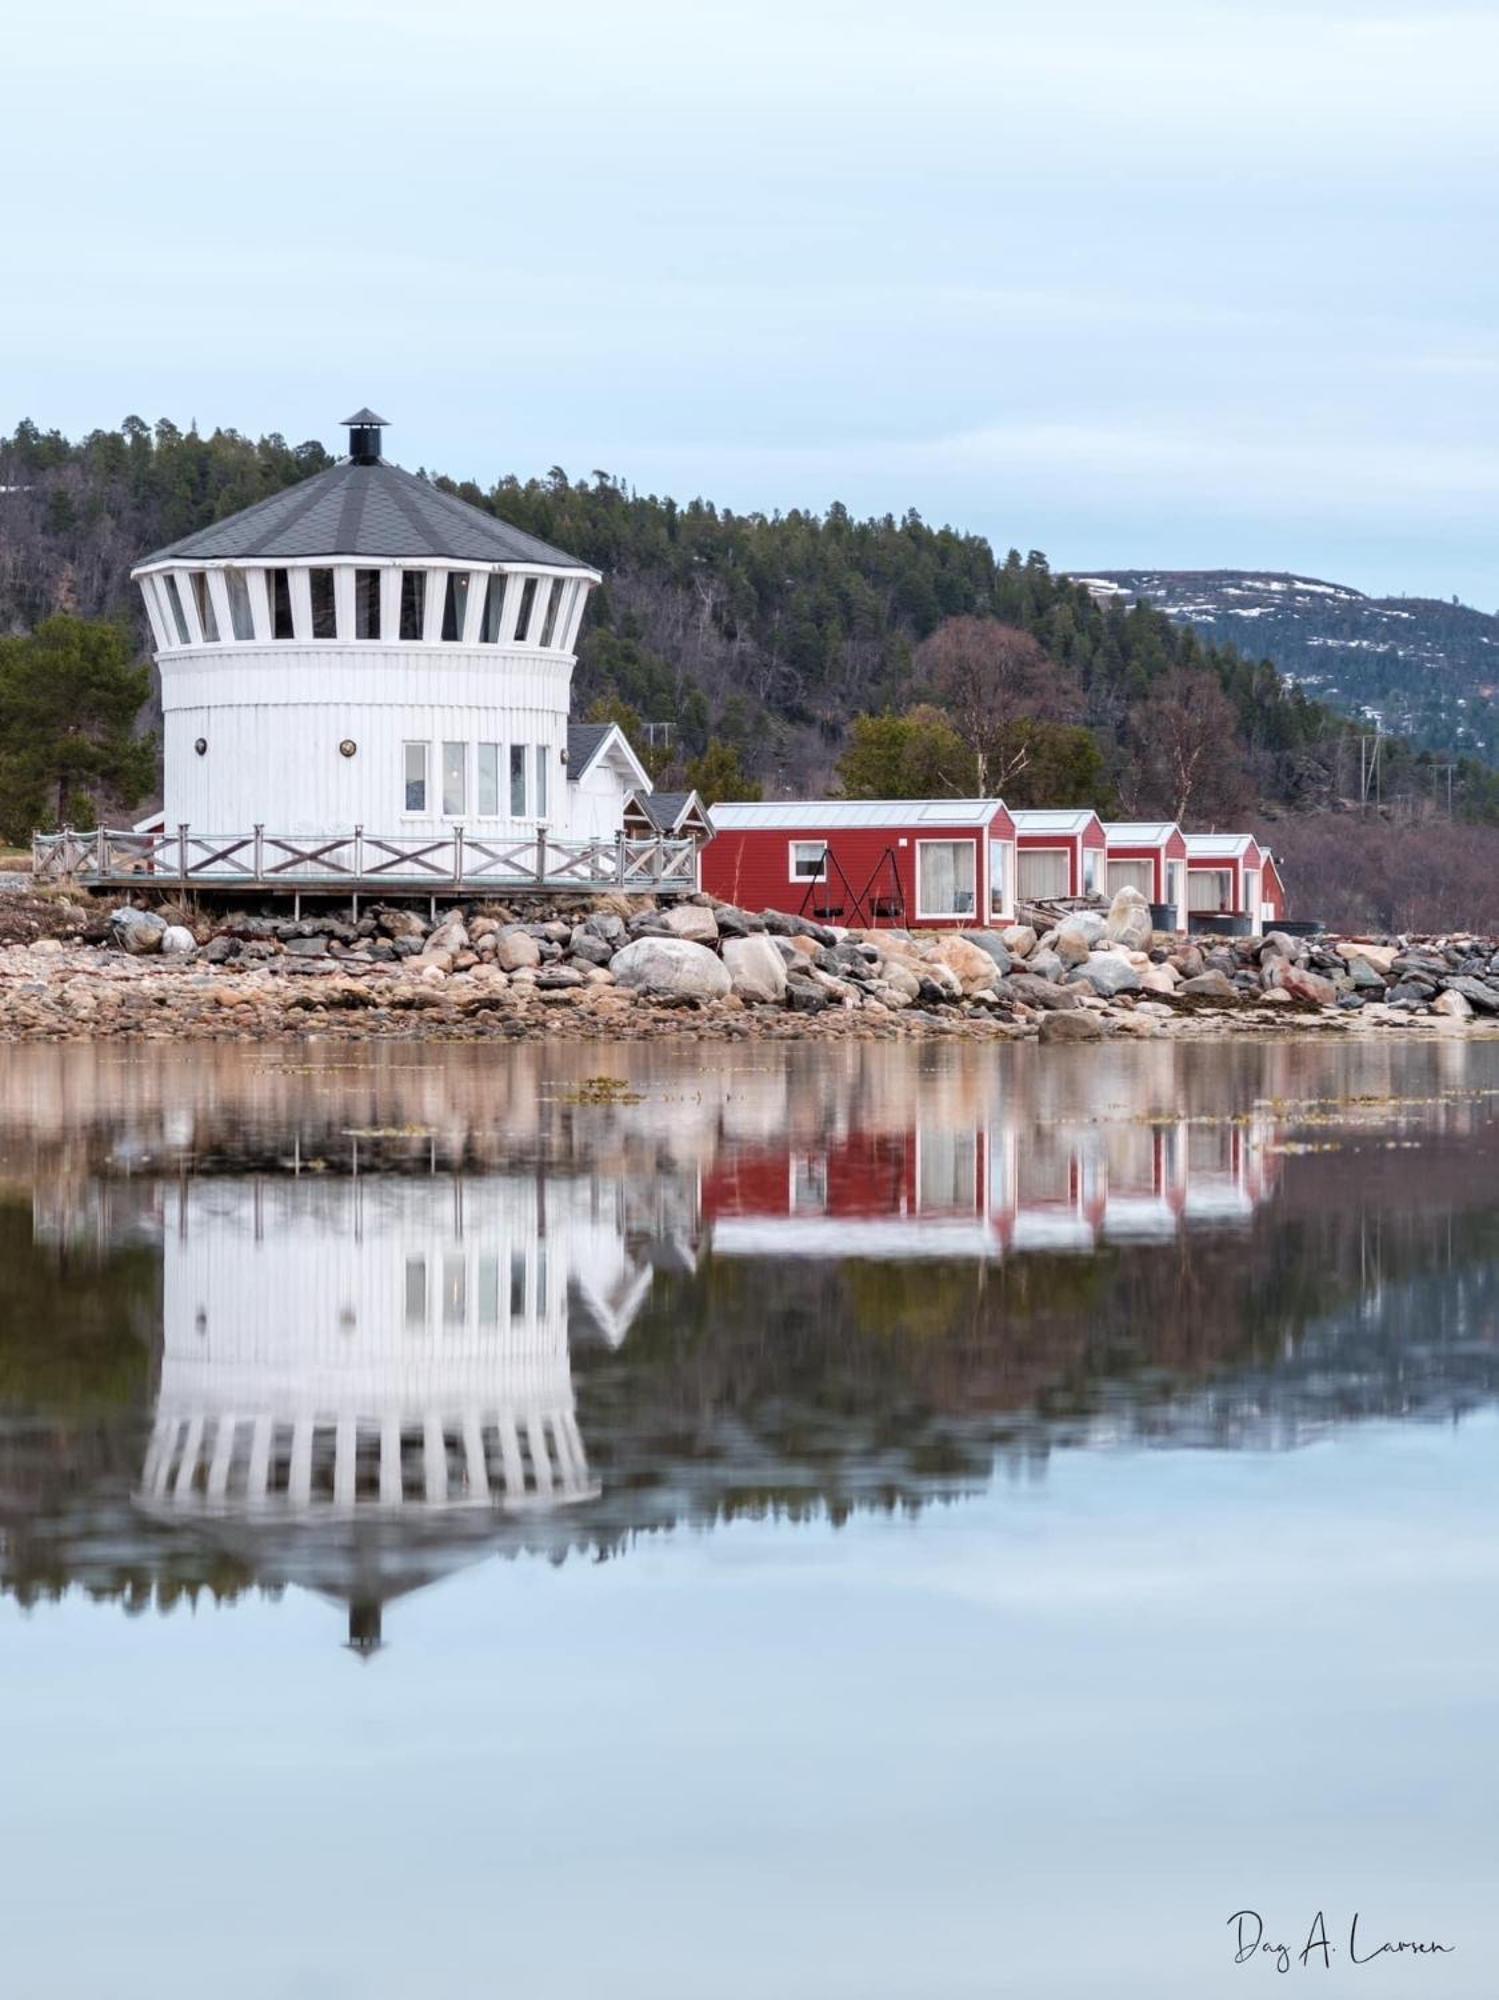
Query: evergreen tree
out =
(69, 696)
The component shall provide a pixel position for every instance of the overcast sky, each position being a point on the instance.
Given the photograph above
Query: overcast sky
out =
(1185, 282)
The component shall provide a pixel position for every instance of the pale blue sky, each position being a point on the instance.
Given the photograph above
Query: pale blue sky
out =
(1176, 283)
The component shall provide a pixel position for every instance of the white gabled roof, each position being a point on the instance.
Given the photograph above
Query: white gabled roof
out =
(1070, 823)
(825, 815)
(1138, 832)
(1218, 846)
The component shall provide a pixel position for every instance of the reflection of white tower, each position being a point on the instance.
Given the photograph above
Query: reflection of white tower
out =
(381, 1354)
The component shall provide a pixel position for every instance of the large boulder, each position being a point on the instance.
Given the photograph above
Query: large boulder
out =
(991, 942)
(1209, 985)
(177, 941)
(1380, 956)
(137, 931)
(1481, 996)
(515, 947)
(1107, 973)
(1128, 921)
(1303, 984)
(1018, 939)
(973, 967)
(671, 966)
(756, 969)
(1452, 1005)
(690, 920)
(1034, 992)
(1077, 1027)
(1073, 942)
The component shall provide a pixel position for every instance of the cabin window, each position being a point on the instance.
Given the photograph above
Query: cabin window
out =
(1211, 891)
(416, 777)
(494, 609)
(527, 606)
(517, 1284)
(489, 1291)
(240, 614)
(324, 618)
(809, 861)
(1132, 875)
(554, 603)
(487, 776)
(517, 781)
(454, 779)
(1001, 876)
(542, 775)
(1174, 884)
(1091, 858)
(455, 604)
(203, 598)
(179, 615)
(281, 625)
(1044, 872)
(454, 1289)
(944, 878)
(413, 602)
(366, 604)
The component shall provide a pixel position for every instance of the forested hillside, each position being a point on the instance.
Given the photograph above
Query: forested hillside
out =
(1420, 667)
(764, 639)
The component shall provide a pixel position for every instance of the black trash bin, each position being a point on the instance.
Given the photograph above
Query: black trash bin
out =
(1215, 926)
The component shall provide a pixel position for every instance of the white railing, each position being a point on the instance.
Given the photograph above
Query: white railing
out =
(364, 861)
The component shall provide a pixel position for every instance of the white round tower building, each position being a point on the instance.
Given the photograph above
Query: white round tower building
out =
(366, 651)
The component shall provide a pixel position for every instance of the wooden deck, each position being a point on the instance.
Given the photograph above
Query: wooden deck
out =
(365, 864)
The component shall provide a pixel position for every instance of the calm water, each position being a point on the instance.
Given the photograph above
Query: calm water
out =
(838, 1522)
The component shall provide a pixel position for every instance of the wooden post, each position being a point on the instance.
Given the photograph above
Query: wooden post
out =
(101, 852)
(457, 857)
(358, 856)
(541, 855)
(182, 849)
(619, 858)
(259, 853)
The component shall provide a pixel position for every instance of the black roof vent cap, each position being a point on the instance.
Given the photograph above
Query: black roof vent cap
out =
(364, 436)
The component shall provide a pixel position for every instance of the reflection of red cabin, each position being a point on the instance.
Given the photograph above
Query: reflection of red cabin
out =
(1225, 876)
(1062, 854)
(867, 862)
(1151, 856)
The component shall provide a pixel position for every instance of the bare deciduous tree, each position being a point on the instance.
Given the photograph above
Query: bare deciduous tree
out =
(992, 679)
(1185, 736)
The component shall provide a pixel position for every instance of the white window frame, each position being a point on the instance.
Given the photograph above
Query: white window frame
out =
(1002, 891)
(793, 874)
(948, 916)
(1094, 861)
(511, 809)
(1176, 899)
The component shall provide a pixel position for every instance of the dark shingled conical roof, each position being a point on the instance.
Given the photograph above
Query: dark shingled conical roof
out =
(358, 509)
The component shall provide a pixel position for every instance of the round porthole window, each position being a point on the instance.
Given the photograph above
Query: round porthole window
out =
(347, 747)
(201, 746)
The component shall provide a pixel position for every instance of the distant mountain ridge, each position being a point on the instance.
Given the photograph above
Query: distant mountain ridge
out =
(1421, 667)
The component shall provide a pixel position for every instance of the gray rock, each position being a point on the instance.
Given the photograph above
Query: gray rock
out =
(1129, 920)
(515, 947)
(1034, 992)
(177, 941)
(1018, 939)
(737, 923)
(1211, 985)
(1073, 942)
(671, 965)
(606, 925)
(756, 970)
(1045, 965)
(219, 949)
(307, 947)
(136, 931)
(994, 944)
(1365, 979)
(592, 950)
(1079, 1027)
(1107, 973)
(1483, 998)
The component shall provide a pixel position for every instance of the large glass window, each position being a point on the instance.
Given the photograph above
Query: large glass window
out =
(416, 777)
(366, 604)
(542, 773)
(944, 878)
(324, 617)
(455, 604)
(518, 781)
(487, 780)
(1044, 872)
(1001, 866)
(1132, 875)
(416, 1291)
(179, 615)
(203, 598)
(1210, 890)
(494, 609)
(413, 602)
(281, 625)
(240, 614)
(553, 589)
(454, 779)
(527, 606)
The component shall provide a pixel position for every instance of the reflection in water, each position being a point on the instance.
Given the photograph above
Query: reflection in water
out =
(403, 1314)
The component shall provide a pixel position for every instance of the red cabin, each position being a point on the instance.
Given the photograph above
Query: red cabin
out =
(1062, 855)
(1225, 878)
(1151, 856)
(867, 863)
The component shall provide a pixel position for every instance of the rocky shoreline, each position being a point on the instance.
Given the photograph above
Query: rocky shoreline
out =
(623, 969)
